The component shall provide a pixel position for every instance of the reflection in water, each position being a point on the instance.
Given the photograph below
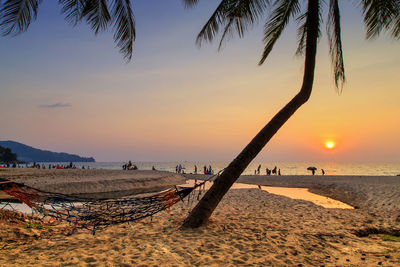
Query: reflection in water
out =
(294, 193)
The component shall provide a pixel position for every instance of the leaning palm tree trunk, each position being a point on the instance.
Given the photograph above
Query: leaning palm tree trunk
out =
(203, 210)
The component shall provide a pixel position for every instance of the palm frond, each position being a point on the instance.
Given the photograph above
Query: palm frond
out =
(96, 14)
(72, 10)
(211, 28)
(285, 9)
(190, 3)
(335, 43)
(124, 25)
(301, 34)
(16, 15)
(227, 32)
(234, 16)
(241, 15)
(381, 15)
(396, 27)
(302, 31)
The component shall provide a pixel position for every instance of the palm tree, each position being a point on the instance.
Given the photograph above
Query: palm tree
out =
(16, 16)
(237, 16)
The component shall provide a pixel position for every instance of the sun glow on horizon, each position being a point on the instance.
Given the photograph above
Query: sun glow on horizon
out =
(330, 144)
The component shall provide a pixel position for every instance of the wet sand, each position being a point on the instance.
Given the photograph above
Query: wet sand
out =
(249, 227)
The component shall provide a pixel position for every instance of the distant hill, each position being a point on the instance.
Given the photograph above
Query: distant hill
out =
(31, 154)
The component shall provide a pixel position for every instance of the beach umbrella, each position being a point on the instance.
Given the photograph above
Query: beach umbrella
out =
(311, 168)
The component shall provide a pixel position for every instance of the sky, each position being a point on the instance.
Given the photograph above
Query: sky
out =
(64, 89)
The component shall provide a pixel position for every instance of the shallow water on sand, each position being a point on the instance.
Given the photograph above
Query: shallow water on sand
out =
(294, 193)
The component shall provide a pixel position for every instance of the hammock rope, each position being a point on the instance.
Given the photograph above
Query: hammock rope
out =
(94, 214)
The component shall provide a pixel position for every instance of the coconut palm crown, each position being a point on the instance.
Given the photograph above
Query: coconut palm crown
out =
(17, 15)
(237, 16)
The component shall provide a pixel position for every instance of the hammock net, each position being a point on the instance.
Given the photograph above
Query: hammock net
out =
(94, 214)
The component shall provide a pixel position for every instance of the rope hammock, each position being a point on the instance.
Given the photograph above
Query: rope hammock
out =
(93, 214)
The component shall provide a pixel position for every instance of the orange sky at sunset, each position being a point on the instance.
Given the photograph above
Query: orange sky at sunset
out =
(177, 102)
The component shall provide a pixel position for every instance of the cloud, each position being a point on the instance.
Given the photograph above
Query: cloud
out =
(56, 105)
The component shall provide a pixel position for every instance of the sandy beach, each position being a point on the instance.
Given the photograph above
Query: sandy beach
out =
(94, 183)
(250, 227)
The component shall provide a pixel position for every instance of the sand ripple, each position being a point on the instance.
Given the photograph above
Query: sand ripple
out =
(250, 227)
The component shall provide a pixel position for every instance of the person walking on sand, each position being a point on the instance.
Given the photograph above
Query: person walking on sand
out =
(258, 169)
(274, 170)
(322, 171)
(179, 168)
(195, 169)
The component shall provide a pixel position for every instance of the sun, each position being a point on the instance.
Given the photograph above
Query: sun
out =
(330, 144)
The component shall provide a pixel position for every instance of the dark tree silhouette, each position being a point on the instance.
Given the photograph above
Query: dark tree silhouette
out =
(7, 156)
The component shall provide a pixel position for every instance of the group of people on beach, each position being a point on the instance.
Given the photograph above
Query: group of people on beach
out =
(55, 166)
(8, 165)
(274, 171)
(314, 170)
(179, 168)
(206, 170)
(129, 166)
(43, 166)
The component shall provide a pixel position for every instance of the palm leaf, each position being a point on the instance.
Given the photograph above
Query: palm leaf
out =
(302, 31)
(124, 25)
(190, 3)
(241, 15)
(381, 15)
(211, 28)
(96, 14)
(335, 43)
(16, 15)
(72, 10)
(234, 16)
(301, 34)
(285, 9)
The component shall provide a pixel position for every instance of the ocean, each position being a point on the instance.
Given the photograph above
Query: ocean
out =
(286, 168)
